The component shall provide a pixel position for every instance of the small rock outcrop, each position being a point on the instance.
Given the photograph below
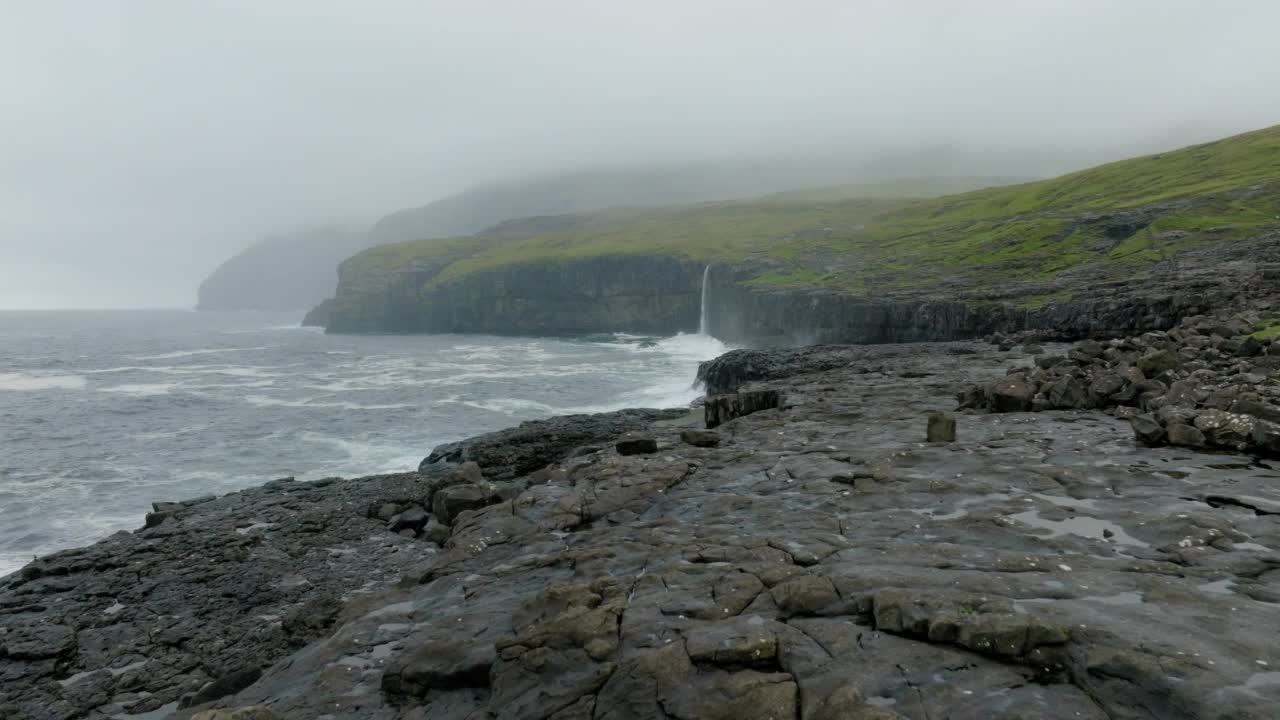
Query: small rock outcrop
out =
(533, 445)
(636, 445)
(1209, 383)
(941, 427)
(720, 409)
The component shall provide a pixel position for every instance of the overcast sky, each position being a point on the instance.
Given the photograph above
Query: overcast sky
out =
(142, 142)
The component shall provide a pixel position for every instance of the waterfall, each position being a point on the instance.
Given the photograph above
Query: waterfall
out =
(702, 317)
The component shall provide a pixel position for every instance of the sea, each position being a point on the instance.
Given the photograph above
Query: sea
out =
(103, 412)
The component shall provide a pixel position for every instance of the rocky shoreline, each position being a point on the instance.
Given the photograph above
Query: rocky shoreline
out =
(811, 557)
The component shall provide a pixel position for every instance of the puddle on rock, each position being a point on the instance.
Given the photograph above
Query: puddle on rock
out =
(1258, 680)
(1218, 587)
(161, 713)
(1083, 526)
(960, 508)
(1124, 598)
(1061, 501)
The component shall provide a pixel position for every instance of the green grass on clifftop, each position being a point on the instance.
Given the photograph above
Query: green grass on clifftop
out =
(1121, 218)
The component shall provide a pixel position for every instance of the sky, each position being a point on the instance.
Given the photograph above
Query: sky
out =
(144, 141)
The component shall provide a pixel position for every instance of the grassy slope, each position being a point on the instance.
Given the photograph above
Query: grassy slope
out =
(1027, 233)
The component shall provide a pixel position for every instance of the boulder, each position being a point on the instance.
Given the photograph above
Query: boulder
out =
(720, 409)
(1183, 392)
(1012, 394)
(412, 519)
(1048, 361)
(972, 397)
(1257, 408)
(700, 438)
(1067, 394)
(1147, 430)
(1158, 361)
(1225, 429)
(449, 502)
(1185, 435)
(1089, 348)
(1266, 437)
(941, 428)
(1221, 399)
(1168, 414)
(436, 531)
(636, 445)
(1104, 386)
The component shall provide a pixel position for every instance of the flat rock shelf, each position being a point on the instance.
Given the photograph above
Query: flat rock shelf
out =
(817, 560)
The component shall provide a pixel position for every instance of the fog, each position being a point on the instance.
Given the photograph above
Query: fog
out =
(142, 142)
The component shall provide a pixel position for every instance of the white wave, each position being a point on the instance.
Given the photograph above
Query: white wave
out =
(142, 389)
(22, 382)
(264, 401)
(232, 370)
(692, 347)
(271, 328)
(364, 458)
(513, 406)
(190, 353)
(245, 371)
(236, 385)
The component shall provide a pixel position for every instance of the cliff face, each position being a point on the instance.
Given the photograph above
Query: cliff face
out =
(646, 294)
(739, 313)
(1126, 247)
(664, 295)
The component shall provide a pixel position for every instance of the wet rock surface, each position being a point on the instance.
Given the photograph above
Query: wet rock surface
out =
(1209, 383)
(820, 561)
(530, 446)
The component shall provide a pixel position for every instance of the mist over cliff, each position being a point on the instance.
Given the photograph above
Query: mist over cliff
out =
(296, 269)
(286, 271)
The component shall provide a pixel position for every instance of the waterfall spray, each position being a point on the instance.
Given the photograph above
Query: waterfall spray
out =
(703, 328)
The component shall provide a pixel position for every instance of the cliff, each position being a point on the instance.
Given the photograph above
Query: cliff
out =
(1125, 247)
(296, 270)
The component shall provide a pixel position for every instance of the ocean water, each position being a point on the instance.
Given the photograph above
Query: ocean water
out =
(103, 412)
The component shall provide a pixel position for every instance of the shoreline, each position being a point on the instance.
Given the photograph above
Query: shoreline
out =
(799, 555)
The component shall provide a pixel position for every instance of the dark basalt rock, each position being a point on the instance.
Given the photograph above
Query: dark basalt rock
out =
(412, 519)
(725, 374)
(1013, 394)
(700, 438)
(824, 564)
(720, 409)
(228, 684)
(1184, 435)
(1147, 430)
(941, 427)
(636, 446)
(1189, 387)
(445, 665)
(449, 502)
(533, 445)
